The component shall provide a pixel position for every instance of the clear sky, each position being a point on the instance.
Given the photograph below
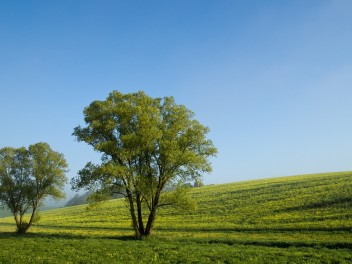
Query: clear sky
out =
(271, 79)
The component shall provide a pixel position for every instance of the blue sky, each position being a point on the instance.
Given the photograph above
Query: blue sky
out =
(272, 79)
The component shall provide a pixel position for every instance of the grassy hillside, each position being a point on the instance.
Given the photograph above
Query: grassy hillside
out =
(305, 218)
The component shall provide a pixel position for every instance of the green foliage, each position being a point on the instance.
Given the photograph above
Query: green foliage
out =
(180, 199)
(27, 177)
(147, 144)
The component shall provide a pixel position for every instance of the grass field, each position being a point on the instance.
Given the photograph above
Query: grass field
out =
(299, 219)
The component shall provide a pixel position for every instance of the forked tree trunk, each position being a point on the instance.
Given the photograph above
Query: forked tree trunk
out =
(19, 228)
(137, 216)
(22, 227)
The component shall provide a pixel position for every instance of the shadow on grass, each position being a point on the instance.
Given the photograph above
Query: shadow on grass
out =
(62, 236)
(256, 229)
(283, 244)
(229, 242)
(38, 235)
(82, 227)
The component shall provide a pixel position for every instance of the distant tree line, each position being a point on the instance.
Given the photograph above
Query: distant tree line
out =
(79, 199)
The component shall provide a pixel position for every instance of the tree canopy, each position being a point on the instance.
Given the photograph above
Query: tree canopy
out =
(27, 177)
(147, 144)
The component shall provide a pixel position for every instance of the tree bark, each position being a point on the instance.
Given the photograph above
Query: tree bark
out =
(30, 220)
(152, 214)
(150, 222)
(140, 215)
(137, 233)
(17, 222)
(20, 226)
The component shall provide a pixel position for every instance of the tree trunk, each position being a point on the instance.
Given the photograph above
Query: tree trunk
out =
(135, 226)
(140, 216)
(150, 222)
(18, 223)
(152, 215)
(27, 226)
(21, 226)
(16, 219)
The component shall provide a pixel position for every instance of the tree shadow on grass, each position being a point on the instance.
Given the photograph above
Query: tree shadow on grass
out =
(77, 227)
(122, 237)
(226, 241)
(65, 232)
(40, 235)
(255, 229)
(43, 235)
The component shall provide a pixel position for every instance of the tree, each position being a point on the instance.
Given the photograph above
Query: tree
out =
(147, 144)
(27, 177)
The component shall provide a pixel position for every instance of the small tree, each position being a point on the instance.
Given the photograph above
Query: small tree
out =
(27, 177)
(147, 144)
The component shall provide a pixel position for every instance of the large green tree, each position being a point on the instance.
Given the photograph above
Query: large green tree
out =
(27, 177)
(147, 145)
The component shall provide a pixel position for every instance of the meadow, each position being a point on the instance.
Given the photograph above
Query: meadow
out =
(297, 219)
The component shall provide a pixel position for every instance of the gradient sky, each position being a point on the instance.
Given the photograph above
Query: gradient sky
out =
(271, 79)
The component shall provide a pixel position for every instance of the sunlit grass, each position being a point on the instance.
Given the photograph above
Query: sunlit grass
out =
(289, 216)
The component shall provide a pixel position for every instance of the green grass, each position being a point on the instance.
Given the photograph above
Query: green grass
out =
(299, 219)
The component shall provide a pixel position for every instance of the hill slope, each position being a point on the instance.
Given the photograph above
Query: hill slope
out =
(306, 211)
(306, 202)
